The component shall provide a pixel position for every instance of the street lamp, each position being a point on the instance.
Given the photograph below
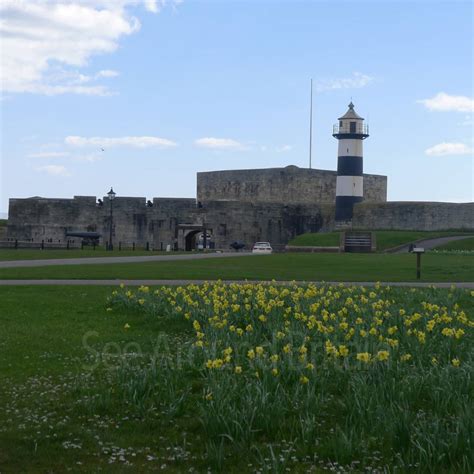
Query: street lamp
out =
(111, 196)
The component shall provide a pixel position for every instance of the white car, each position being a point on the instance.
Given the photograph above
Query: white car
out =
(262, 247)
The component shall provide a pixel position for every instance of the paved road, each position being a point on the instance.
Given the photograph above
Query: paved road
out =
(429, 244)
(108, 260)
(469, 285)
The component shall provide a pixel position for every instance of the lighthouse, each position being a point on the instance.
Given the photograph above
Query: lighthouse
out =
(350, 132)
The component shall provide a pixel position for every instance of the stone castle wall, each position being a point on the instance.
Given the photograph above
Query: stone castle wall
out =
(41, 219)
(406, 215)
(271, 205)
(290, 185)
(165, 222)
(269, 222)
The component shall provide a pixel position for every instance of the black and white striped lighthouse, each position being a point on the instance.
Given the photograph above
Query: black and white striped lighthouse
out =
(350, 131)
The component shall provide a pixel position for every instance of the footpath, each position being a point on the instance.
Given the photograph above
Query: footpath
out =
(411, 284)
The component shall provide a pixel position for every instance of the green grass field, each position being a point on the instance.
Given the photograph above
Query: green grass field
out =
(328, 267)
(37, 254)
(386, 239)
(320, 239)
(465, 244)
(88, 390)
(46, 423)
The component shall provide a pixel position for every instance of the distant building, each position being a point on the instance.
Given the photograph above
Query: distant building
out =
(273, 205)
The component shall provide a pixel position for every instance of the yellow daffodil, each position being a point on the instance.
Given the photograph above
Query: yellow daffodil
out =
(343, 351)
(383, 355)
(364, 357)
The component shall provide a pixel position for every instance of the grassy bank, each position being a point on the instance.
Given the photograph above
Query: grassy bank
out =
(385, 238)
(37, 254)
(128, 390)
(465, 244)
(328, 267)
(320, 239)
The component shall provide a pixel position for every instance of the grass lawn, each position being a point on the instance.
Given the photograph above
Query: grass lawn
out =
(327, 267)
(385, 238)
(465, 244)
(88, 390)
(47, 423)
(320, 239)
(36, 254)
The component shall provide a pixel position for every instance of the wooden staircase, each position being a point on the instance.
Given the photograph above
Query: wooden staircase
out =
(352, 241)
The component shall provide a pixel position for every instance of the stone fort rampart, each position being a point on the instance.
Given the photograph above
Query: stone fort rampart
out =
(409, 215)
(166, 221)
(288, 185)
(248, 205)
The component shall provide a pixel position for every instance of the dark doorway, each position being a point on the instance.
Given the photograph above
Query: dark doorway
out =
(353, 127)
(190, 240)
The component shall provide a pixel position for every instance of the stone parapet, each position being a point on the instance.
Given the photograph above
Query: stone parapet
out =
(290, 185)
(408, 215)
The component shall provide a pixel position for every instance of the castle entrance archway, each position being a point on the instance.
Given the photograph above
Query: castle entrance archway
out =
(190, 240)
(194, 237)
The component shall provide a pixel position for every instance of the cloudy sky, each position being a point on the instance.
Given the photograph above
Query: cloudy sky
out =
(142, 94)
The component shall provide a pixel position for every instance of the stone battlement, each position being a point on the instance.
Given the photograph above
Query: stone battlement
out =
(290, 185)
(414, 215)
(271, 205)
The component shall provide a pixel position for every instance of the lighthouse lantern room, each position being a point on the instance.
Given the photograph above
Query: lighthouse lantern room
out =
(350, 132)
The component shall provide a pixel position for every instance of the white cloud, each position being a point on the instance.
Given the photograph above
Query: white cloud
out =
(283, 148)
(54, 170)
(155, 6)
(151, 6)
(49, 154)
(108, 142)
(107, 73)
(43, 40)
(443, 102)
(219, 143)
(445, 148)
(89, 158)
(357, 81)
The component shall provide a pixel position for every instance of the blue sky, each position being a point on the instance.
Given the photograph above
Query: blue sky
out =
(171, 88)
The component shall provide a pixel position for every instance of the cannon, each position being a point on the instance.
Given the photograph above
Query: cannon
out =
(237, 245)
(88, 238)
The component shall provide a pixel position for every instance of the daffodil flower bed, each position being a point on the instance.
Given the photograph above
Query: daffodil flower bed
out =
(342, 370)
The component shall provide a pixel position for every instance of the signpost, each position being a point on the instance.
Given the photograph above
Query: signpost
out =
(418, 251)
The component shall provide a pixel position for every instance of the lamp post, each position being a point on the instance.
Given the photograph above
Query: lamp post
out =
(204, 238)
(111, 196)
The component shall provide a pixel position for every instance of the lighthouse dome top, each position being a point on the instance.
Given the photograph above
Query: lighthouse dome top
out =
(351, 114)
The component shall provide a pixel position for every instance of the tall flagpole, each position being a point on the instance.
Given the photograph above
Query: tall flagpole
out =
(311, 124)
